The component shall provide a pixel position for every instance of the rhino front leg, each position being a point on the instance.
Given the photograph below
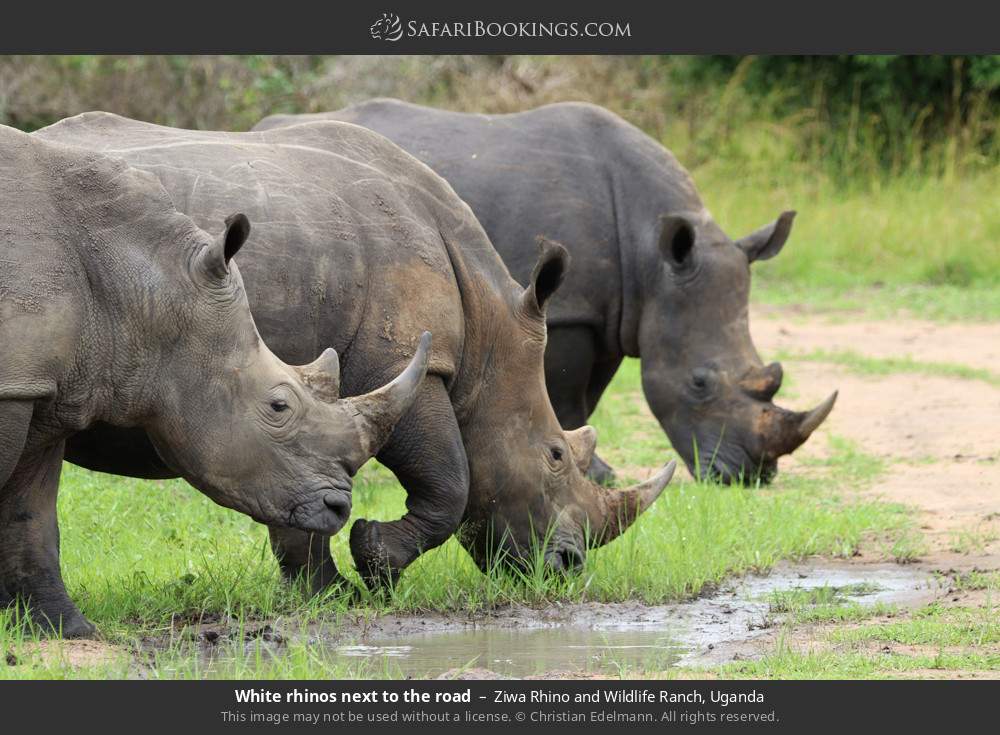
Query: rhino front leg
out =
(427, 455)
(304, 555)
(29, 544)
(571, 376)
(15, 418)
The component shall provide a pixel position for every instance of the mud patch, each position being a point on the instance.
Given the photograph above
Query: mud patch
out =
(611, 639)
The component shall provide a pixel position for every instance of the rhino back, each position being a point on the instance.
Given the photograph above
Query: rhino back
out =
(349, 242)
(572, 172)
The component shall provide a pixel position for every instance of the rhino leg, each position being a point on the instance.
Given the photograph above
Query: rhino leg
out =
(427, 455)
(15, 418)
(303, 555)
(29, 544)
(600, 377)
(575, 381)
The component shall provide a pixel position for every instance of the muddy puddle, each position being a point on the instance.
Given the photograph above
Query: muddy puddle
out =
(613, 638)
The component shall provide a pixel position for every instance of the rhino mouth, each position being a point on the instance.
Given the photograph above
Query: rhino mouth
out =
(564, 557)
(747, 473)
(732, 464)
(326, 509)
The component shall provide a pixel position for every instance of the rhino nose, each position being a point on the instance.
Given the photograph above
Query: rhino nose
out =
(339, 502)
(764, 382)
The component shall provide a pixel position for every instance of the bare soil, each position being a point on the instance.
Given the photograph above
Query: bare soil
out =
(73, 654)
(941, 435)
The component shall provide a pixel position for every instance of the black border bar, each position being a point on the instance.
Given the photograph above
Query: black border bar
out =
(213, 706)
(668, 26)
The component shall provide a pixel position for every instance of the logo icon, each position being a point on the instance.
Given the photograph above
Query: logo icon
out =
(387, 28)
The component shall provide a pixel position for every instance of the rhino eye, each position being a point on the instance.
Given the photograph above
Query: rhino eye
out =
(556, 453)
(279, 406)
(700, 379)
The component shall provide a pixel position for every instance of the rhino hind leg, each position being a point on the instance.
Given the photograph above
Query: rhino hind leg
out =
(306, 556)
(427, 455)
(29, 544)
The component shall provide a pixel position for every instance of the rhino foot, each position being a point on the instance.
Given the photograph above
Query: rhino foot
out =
(76, 626)
(54, 619)
(371, 556)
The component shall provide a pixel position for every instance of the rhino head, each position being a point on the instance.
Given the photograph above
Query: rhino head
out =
(271, 440)
(529, 488)
(701, 374)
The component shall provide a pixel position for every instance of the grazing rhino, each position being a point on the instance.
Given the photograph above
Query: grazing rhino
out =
(117, 311)
(359, 245)
(653, 275)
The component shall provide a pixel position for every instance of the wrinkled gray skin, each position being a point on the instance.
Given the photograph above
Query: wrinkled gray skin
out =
(358, 245)
(653, 275)
(118, 311)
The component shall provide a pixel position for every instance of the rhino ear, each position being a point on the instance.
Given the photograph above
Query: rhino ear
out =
(548, 273)
(214, 259)
(236, 234)
(677, 235)
(768, 240)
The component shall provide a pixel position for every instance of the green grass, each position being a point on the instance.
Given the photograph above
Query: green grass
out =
(933, 625)
(786, 663)
(143, 559)
(936, 303)
(798, 597)
(949, 639)
(972, 540)
(826, 604)
(921, 247)
(977, 580)
(892, 235)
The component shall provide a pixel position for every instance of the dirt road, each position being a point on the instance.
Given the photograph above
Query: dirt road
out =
(939, 434)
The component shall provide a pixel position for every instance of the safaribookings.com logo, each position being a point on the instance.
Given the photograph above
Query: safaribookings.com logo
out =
(390, 28)
(387, 28)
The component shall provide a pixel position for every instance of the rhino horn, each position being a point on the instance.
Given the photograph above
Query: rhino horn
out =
(809, 421)
(582, 443)
(322, 376)
(620, 508)
(795, 427)
(378, 412)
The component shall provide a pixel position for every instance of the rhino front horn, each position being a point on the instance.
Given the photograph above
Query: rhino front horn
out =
(624, 506)
(378, 412)
(810, 421)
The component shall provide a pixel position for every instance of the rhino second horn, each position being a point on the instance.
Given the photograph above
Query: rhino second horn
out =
(378, 412)
(582, 443)
(322, 375)
(624, 506)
